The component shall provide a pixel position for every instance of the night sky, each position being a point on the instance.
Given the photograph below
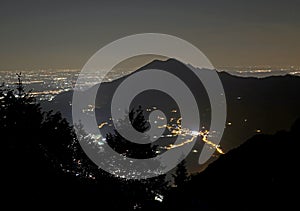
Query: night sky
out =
(64, 34)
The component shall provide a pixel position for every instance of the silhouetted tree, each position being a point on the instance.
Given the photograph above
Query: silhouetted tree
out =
(41, 152)
(140, 193)
(181, 175)
(125, 147)
(44, 159)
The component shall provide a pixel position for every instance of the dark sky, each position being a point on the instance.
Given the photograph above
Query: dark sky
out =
(64, 34)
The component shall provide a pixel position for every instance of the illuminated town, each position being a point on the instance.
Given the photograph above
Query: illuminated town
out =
(45, 84)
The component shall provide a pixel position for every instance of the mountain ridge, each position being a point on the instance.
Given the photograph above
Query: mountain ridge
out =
(254, 105)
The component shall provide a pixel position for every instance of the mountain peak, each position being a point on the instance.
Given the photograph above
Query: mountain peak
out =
(164, 64)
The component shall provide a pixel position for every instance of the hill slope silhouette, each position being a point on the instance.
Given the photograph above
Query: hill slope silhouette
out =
(260, 174)
(251, 104)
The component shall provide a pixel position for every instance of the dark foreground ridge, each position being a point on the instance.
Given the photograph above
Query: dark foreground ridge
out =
(260, 174)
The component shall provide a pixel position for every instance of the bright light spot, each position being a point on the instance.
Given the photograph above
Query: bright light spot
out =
(102, 124)
(159, 198)
(162, 126)
(161, 118)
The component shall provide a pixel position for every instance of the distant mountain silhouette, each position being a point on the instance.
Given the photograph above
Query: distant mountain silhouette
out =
(253, 105)
(260, 174)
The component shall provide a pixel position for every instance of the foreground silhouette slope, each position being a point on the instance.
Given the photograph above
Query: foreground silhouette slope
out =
(42, 162)
(261, 173)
